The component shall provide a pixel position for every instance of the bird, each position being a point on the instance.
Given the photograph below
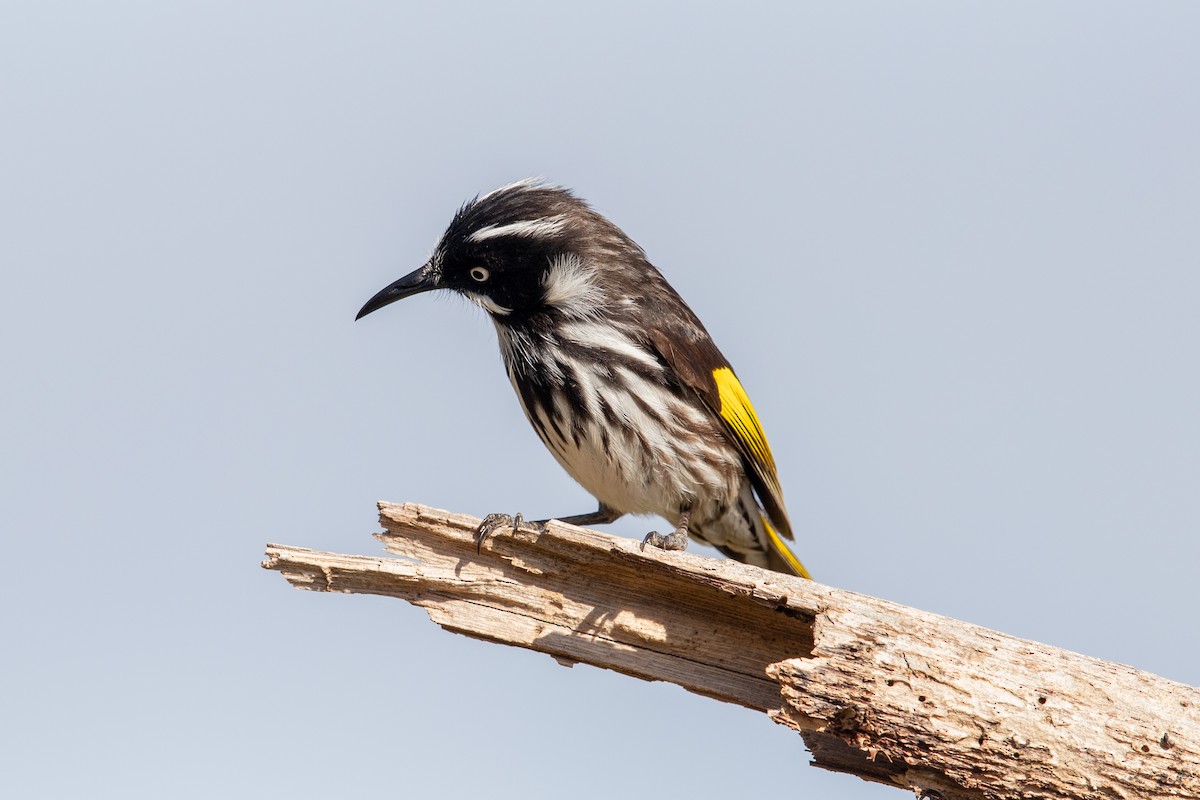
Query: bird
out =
(617, 375)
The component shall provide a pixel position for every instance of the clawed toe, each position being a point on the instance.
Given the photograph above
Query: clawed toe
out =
(676, 540)
(495, 522)
(491, 523)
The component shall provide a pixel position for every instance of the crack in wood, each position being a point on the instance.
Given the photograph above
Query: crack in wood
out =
(982, 716)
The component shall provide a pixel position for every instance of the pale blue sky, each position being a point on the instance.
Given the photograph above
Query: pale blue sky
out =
(952, 249)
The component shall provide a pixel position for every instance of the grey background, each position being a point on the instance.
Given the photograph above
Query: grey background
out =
(952, 250)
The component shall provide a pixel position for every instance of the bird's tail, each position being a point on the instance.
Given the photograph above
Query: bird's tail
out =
(779, 557)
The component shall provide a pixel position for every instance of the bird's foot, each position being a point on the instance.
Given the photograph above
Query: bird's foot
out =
(672, 541)
(494, 522)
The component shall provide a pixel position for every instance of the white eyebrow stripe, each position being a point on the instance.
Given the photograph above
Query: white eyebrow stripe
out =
(535, 228)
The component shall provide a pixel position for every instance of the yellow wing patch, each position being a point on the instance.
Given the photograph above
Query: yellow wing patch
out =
(782, 549)
(740, 417)
(739, 414)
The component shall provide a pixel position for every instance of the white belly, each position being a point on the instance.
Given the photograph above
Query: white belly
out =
(655, 456)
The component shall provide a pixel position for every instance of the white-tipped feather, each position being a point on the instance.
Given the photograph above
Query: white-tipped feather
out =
(589, 390)
(608, 338)
(524, 183)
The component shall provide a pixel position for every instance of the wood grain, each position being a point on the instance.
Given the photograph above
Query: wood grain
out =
(879, 690)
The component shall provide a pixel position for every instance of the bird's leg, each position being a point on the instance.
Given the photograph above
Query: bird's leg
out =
(672, 541)
(601, 516)
(493, 522)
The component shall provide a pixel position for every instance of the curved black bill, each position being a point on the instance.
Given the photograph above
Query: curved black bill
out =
(421, 280)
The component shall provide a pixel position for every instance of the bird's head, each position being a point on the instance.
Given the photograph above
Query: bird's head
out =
(522, 250)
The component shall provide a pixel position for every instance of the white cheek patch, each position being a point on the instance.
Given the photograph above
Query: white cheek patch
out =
(571, 287)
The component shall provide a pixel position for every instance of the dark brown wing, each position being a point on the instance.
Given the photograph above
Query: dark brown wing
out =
(694, 357)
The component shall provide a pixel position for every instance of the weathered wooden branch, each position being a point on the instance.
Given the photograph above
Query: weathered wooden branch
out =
(876, 689)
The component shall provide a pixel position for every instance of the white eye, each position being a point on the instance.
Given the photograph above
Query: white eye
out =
(479, 274)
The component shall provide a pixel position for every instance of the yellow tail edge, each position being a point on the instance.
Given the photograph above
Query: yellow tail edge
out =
(782, 550)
